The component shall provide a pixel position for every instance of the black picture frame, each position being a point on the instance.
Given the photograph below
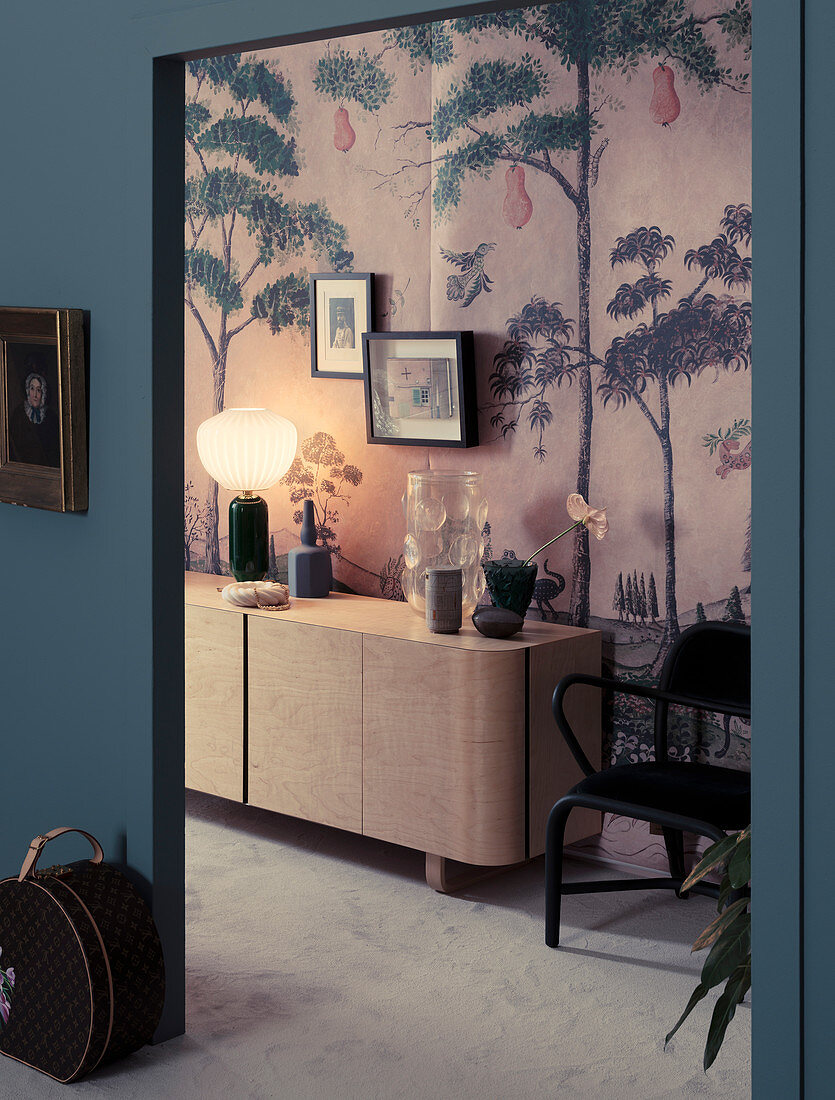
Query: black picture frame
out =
(442, 396)
(328, 357)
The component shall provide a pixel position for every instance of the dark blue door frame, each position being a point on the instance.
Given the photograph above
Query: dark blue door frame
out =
(817, 913)
(777, 516)
(791, 677)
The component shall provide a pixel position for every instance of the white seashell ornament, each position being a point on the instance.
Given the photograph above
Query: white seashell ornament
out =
(267, 595)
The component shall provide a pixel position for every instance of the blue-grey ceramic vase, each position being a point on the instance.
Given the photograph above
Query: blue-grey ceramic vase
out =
(309, 572)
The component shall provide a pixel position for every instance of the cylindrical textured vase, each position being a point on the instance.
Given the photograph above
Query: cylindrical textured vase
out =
(443, 600)
(445, 516)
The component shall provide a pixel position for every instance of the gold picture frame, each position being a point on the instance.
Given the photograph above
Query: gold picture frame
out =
(43, 410)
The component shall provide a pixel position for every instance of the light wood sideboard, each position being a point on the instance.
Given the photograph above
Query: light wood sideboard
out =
(349, 712)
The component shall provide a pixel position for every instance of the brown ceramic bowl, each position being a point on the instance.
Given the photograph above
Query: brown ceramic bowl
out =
(497, 622)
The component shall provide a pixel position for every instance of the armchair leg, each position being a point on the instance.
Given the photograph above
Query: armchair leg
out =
(554, 840)
(674, 843)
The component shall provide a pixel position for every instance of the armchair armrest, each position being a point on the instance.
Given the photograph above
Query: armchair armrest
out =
(624, 688)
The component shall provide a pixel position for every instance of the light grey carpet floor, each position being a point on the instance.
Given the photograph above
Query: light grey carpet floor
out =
(321, 967)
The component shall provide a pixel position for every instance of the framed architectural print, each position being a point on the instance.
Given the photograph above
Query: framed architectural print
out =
(341, 310)
(43, 414)
(420, 389)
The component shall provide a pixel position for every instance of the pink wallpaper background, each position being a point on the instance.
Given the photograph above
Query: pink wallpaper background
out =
(495, 91)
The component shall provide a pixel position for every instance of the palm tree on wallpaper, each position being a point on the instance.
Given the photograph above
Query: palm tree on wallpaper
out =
(702, 331)
(471, 138)
(241, 151)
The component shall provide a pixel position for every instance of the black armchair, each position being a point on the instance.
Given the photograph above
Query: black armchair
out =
(707, 668)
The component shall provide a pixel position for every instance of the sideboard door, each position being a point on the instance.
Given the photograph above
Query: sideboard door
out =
(444, 749)
(215, 701)
(305, 721)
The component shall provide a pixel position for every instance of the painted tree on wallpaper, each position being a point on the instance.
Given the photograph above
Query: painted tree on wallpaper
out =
(320, 473)
(728, 441)
(472, 135)
(240, 135)
(195, 521)
(702, 331)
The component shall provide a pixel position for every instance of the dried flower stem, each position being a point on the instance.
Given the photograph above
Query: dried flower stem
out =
(579, 523)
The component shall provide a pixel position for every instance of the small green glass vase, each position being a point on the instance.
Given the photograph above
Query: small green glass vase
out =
(248, 539)
(510, 583)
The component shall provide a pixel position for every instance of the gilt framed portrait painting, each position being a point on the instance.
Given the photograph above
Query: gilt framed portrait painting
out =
(43, 417)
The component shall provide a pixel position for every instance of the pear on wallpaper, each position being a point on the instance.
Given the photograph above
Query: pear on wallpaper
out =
(344, 134)
(665, 106)
(517, 206)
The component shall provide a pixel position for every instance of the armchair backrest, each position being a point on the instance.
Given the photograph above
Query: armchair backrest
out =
(710, 661)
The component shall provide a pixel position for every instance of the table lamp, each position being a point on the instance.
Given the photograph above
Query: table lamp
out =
(247, 450)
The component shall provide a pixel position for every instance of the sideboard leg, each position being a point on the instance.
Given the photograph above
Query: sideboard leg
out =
(438, 877)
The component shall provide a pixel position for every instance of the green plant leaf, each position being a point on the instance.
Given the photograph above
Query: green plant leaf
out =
(503, 22)
(222, 190)
(725, 891)
(697, 995)
(284, 303)
(477, 157)
(486, 88)
(714, 857)
(734, 993)
(423, 42)
(256, 80)
(562, 130)
(197, 115)
(341, 75)
(731, 949)
(256, 141)
(739, 865)
(718, 924)
(219, 70)
(207, 271)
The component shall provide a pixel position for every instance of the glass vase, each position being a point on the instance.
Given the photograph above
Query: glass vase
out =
(445, 516)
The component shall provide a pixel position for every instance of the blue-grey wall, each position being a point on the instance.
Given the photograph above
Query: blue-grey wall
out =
(91, 651)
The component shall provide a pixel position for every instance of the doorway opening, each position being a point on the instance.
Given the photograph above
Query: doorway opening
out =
(355, 182)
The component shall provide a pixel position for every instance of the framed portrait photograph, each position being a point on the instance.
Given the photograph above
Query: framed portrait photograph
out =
(420, 389)
(341, 310)
(43, 414)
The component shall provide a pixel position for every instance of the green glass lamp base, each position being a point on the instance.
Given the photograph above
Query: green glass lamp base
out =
(248, 539)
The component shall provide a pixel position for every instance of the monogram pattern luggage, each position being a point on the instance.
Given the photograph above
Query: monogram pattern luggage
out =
(82, 980)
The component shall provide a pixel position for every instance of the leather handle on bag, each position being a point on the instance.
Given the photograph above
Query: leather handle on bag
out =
(37, 846)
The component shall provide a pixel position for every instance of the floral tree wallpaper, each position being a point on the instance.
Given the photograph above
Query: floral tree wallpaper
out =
(570, 181)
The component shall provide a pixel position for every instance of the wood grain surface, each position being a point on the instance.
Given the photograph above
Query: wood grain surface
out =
(444, 750)
(368, 615)
(214, 702)
(305, 721)
(361, 718)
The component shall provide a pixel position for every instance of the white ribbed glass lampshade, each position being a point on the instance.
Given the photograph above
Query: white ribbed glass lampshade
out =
(247, 449)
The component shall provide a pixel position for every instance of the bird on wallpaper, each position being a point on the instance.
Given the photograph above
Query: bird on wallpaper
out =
(473, 278)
